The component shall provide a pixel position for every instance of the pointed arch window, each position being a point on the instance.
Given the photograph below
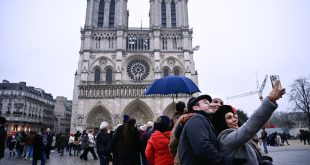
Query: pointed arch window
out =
(112, 13)
(166, 72)
(173, 15)
(97, 75)
(163, 14)
(101, 14)
(108, 76)
(176, 72)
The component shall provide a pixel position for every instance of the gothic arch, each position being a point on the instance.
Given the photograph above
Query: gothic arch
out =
(175, 70)
(140, 111)
(96, 67)
(97, 115)
(102, 62)
(169, 110)
(167, 62)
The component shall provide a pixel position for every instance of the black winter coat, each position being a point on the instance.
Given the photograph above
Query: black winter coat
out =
(198, 142)
(2, 141)
(103, 143)
(38, 147)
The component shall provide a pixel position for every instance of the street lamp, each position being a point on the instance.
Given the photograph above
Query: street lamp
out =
(197, 47)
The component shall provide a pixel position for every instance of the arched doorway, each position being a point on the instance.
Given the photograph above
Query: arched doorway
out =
(140, 111)
(169, 110)
(96, 116)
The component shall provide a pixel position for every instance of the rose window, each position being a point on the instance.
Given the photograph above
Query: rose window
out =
(138, 70)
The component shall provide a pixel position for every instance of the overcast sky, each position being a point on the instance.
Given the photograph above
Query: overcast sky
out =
(40, 42)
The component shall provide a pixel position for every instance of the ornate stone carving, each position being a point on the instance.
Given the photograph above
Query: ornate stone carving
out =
(113, 56)
(171, 62)
(92, 56)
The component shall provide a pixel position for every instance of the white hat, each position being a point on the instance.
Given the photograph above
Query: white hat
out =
(142, 127)
(104, 125)
(149, 124)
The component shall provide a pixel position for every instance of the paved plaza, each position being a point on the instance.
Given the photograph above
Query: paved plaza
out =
(294, 154)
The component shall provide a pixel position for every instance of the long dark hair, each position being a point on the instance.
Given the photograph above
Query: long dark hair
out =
(129, 131)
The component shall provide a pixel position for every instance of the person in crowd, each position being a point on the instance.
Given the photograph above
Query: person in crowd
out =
(62, 142)
(278, 137)
(77, 143)
(53, 145)
(103, 144)
(57, 142)
(264, 136)
(145, 134)
(11, 142)
(235, 140)
(308, 137)
(304, 134)
(116, 141)
(198, 140)
(71, 143)
(39, 146)
(216, 103)
(49, 136)
(179, 111)
(284, 138)
(92, 144)
(3, 134)
(149, 130)
(142, 129)
(20, 143)
(157, 151)
(29, 146)
(130, 147)
(84, 145)
(176, 132)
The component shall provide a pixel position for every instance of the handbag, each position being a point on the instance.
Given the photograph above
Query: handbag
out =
(262, 159)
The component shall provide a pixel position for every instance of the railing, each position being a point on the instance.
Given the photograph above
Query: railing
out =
(108, 91)
(130, 82)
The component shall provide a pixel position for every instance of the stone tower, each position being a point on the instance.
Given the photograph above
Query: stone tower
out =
(117, 63)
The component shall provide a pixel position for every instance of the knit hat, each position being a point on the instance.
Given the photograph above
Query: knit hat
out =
(149, 124)
(104, 125)
(162, 123)
(125, 118)
(218, 118)
(192, 101)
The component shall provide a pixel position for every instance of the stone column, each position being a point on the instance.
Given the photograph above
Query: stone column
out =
(185, 13)
(106, 13)
(89, 13)
(168, 13)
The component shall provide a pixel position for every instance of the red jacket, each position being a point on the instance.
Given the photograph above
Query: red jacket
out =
(157, 150)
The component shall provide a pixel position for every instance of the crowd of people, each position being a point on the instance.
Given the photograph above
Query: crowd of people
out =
(209, 132)
(304, 136)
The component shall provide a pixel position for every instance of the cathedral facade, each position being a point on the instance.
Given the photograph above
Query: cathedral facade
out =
(117, 63)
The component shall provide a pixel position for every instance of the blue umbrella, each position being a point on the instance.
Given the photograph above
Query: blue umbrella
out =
(172, 85)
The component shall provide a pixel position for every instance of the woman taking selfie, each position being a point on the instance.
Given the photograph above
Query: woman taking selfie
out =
(236, 140)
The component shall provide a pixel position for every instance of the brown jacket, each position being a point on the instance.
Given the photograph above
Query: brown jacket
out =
(174, 142)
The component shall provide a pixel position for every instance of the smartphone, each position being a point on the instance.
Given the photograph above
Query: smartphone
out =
(273, 79)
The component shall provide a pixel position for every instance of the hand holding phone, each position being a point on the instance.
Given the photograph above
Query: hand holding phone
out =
(277, 90)
(274, 79)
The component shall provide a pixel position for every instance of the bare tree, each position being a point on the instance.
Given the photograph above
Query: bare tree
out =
(300, 96)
